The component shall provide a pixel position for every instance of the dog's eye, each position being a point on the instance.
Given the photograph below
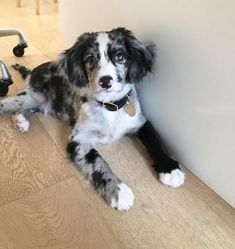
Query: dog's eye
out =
(90, 59)
(119, 56)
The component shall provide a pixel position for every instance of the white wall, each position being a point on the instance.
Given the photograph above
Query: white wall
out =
(193, 95)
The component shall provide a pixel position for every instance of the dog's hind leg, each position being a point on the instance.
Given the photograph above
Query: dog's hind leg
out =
(26, 99)
(21, 120)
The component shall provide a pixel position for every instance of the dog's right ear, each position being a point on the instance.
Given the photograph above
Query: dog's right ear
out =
(141, 59)
(141, 56)
(72, 61)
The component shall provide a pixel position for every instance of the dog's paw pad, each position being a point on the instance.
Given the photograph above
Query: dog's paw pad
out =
(124, 199)
(174, 179)
(21, 123)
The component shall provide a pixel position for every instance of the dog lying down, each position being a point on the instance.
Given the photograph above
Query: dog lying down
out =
(92, 87)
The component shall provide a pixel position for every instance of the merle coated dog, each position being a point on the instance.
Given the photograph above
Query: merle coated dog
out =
(92, 87)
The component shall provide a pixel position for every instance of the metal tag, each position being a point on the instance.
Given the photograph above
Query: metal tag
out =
(130, 109)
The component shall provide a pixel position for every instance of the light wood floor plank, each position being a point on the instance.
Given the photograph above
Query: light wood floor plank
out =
(28, 162)
(60, 216)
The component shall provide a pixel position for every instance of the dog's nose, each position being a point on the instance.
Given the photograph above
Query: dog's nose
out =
(104, 81)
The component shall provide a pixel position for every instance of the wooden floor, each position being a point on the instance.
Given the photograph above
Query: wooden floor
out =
(44, 203)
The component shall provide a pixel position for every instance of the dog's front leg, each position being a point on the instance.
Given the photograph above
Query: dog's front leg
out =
(96, 169)
(168, 169)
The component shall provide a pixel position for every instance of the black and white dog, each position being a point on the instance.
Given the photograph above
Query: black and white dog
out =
(92, 87)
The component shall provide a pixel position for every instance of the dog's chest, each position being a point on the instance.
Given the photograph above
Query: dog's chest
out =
(115, 124)
(105, 126)
(119, 123)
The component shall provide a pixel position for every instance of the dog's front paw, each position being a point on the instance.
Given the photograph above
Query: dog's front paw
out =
(174, 179)
(21, 123)
(122, 198)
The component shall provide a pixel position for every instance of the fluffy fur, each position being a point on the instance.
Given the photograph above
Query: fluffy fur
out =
(100, 67)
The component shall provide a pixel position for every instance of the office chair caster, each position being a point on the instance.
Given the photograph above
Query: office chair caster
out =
(5, 81)
(18, 50)
(3, 88)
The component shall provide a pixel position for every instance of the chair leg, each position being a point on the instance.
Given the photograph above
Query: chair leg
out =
(37, 7)
(18, 3)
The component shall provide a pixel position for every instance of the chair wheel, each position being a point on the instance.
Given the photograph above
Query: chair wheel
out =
(3, 90)
(18, 50)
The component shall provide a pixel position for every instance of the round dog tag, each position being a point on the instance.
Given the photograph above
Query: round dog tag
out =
(130, 109)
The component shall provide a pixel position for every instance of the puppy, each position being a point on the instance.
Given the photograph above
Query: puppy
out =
(92, 87)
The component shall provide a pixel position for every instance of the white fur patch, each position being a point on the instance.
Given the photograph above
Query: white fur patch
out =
(106, 67)
(20, 123)
(125, 198)
(173, 179)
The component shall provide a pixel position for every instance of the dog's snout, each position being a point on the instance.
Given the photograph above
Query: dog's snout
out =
(105, 81)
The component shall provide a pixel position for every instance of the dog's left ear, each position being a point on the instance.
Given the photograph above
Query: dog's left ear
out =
(141, 58)
(72, 61)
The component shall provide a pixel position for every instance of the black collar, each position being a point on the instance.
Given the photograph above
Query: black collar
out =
(114, 106)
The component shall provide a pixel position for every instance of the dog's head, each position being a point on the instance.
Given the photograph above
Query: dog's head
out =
(107, 61)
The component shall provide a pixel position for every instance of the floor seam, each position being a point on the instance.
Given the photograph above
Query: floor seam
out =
(39, 190)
